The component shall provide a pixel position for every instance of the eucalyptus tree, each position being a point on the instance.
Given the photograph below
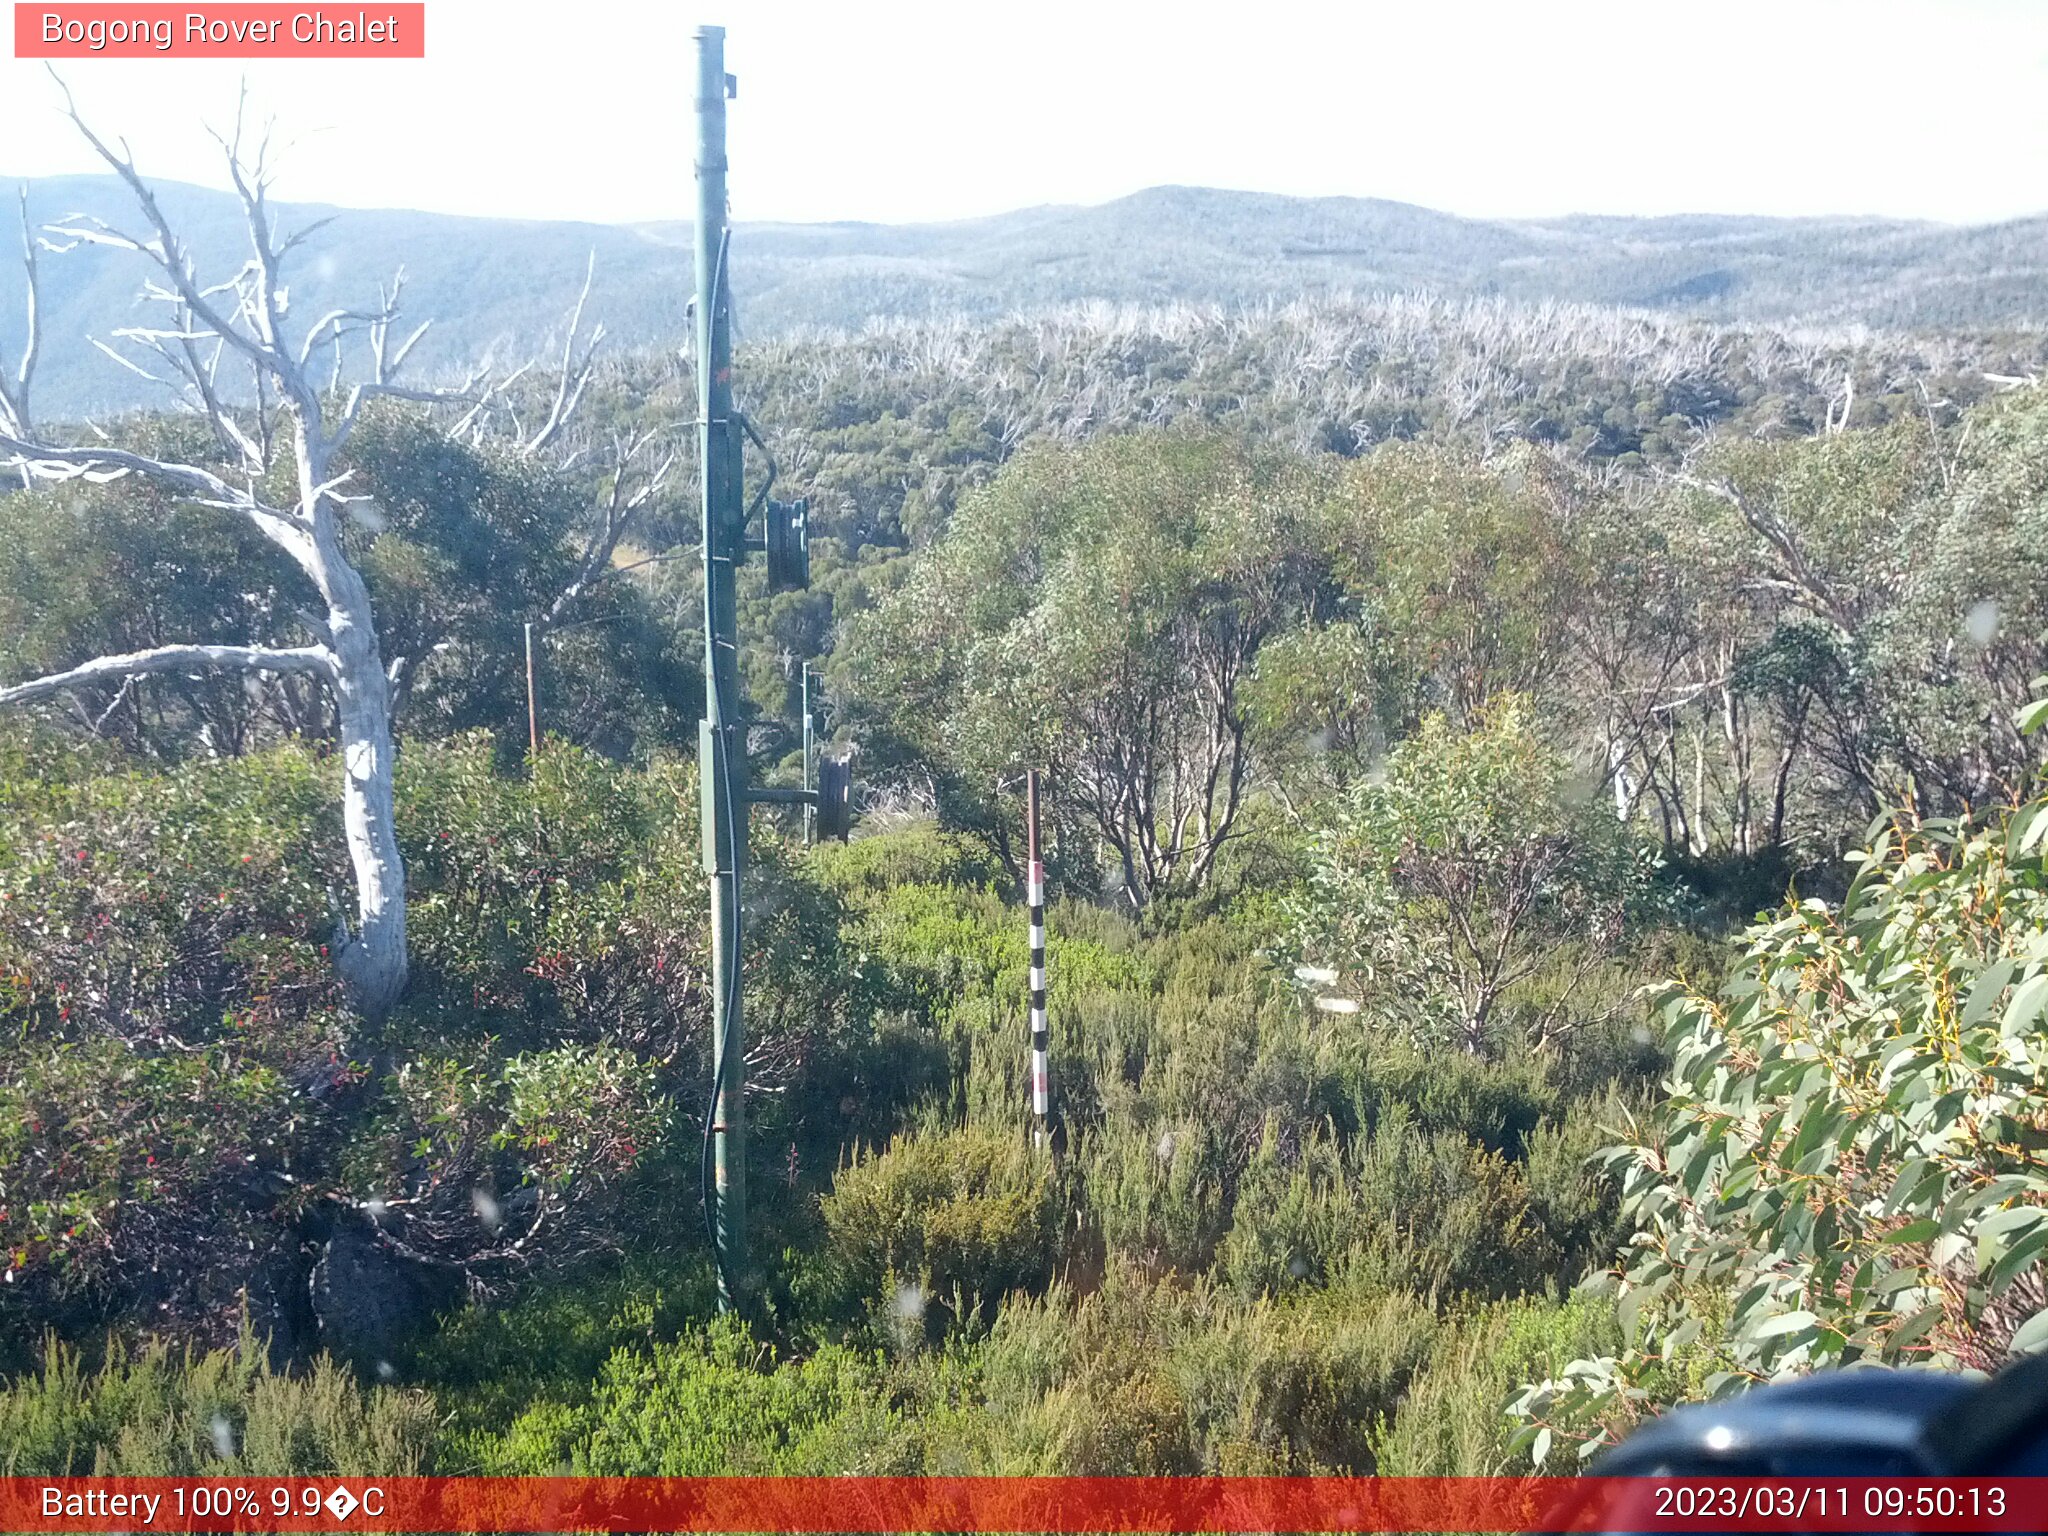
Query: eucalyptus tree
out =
(88, 570)
(1097, 613)
(1894, 611)
(1467, 568)
(1849, 1166)
(1975, 613)
(1467, 870)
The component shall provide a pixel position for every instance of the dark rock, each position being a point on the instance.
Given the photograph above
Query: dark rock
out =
(279, 1308)
(371, 1301)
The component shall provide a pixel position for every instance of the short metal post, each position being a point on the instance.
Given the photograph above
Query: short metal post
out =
(532, 708)
(810, 765)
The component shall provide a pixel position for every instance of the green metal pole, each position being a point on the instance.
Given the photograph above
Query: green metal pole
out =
(721, 754)
(810, 755)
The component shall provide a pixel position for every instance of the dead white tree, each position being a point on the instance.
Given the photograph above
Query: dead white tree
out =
(630, 468)
(292, 422)
(636, 467)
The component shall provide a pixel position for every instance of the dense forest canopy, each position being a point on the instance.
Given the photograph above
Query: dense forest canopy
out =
(1431, 693)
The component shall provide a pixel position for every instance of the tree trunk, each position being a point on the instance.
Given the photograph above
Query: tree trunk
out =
(1781, 787)
(1699, 844)
(372, 960)
(1474, 1040)
(1617, 772)
(1735, 729)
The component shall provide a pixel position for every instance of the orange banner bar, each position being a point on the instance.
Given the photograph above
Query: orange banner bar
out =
(232, 31)
(802, 1505)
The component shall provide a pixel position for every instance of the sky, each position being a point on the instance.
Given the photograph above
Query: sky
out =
(898, 110)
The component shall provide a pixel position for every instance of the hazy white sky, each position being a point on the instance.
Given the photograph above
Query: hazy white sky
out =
(898, 110)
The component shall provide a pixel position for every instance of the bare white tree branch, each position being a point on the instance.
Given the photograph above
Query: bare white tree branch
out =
(314, 659)
(575, 373)
(637, 477)
(300, 421)
(372, 959)
(14, 402)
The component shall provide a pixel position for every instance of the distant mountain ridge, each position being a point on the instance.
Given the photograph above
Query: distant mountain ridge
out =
(500, 285)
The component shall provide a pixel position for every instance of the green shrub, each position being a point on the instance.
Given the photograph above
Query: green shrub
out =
(1402, 1209)
(1452, 1420)
(868, 868)
(561, 904)
(1849, 1165)
(489, 1361)
(1296, 1387)
(713, 1403)
(1497, 1104)
(180, 1084)
(1144, 1377)
(1158, 1194)
(159, 1412)
(932, 948)
(959, 1219)
(1468, 880)
(1573, 1202)
(167, 1020)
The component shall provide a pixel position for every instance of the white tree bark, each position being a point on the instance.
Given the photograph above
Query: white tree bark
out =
(242, 318)
(175, 658)
(637, 468)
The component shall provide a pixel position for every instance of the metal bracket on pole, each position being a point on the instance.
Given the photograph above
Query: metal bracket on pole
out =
(830, 803)
(835, 798)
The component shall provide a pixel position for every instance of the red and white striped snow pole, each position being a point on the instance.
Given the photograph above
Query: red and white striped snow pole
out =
(1034, 894)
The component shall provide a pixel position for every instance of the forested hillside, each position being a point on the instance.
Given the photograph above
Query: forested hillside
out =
(1530, 790)
(494, 285)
